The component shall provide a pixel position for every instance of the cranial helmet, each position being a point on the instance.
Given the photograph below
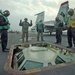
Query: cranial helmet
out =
(0, 11)
(25, 19)
(40, 20)
(71, 12)
(6, 13)
(57, 18)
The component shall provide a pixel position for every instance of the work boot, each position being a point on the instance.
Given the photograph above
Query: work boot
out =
(74, 45)
(26, 41)
(56, 43)
(6, 50)
(42, 40)
(69, 46)
(59, 43)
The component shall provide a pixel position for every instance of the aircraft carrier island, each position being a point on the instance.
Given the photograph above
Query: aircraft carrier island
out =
(37, 57)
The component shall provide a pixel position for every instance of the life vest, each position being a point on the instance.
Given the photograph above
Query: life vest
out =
(6, 26)
(65, 20)
(71, 21)
(40, 25)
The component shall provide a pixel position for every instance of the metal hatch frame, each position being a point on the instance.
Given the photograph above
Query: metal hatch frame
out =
(8, 64)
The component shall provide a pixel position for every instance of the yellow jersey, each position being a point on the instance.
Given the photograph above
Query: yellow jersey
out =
(71, 21)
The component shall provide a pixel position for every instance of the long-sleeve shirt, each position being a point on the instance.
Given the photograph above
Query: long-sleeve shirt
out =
(25, 25)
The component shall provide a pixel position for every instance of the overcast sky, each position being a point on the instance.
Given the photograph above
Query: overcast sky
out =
(19, 9)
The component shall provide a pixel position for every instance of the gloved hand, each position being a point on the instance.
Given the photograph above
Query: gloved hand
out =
(31, 21)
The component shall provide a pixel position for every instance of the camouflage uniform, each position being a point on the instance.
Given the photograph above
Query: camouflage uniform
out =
(25, 25)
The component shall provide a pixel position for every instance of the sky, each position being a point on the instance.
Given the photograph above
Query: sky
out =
(20, 9)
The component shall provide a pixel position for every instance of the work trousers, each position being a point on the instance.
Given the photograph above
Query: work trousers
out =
(4, 39)
(71, 36)
(39, 33)
(58, 35)
(24, 34)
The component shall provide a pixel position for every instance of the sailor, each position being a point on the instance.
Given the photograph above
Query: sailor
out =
(40, 30)
(25, 26)
(4, 26)
(71, 28)
(58, 27)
